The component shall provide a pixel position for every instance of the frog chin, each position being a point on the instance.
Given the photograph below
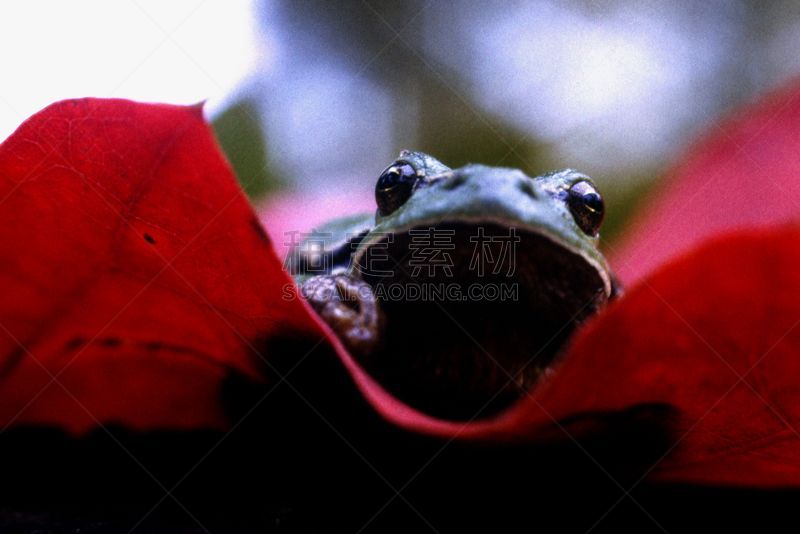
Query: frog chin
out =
(474, 314)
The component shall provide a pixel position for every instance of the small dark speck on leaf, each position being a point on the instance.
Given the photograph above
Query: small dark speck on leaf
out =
(259, 229)
(153, 345)
(14, 358)
(74, 343)
(149, 238)
(111, 342)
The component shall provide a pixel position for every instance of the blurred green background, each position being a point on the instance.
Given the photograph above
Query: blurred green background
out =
(615, 89)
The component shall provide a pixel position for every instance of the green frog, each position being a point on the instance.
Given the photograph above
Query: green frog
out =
(462, 288)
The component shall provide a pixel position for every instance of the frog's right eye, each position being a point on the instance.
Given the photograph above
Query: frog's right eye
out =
(586, 206)
(395, 186)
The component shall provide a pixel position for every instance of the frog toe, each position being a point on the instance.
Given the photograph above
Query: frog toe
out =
(349, 306)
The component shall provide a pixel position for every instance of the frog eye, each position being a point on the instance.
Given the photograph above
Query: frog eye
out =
(586, 206)
(395, 186)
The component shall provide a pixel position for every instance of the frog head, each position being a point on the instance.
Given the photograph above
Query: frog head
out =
(471, 279)
(418, 191)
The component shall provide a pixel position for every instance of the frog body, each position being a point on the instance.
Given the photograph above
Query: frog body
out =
(460, 352)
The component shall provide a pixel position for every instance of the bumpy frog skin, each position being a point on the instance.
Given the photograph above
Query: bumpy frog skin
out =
(459, 357)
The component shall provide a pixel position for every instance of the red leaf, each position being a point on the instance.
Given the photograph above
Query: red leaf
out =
(745, 172)
(135, 276)
(715, 335)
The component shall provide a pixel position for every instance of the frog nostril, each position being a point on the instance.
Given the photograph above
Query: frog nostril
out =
(526, 187)
(454, 181)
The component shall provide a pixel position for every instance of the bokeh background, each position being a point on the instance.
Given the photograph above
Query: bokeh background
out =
(311, 99)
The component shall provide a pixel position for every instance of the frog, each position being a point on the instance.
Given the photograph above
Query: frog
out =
(417, 293)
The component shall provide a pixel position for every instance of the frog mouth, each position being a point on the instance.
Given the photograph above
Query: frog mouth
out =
(475, 314)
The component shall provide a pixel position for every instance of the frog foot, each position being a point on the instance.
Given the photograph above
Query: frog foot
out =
(349, 306)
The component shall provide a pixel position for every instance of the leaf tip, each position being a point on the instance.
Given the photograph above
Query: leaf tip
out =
(198, 107)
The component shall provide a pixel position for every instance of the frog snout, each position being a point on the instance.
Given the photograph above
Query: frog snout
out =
(454, 181)
(525, 186)
(487, 182)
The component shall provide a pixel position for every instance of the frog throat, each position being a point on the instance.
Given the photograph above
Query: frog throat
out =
(459, 358)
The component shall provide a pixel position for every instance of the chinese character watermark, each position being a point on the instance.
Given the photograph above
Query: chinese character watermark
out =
(495, 250)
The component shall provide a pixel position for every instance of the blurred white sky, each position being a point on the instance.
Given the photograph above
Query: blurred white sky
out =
(176, 51)
(610, 89)
(617, 83)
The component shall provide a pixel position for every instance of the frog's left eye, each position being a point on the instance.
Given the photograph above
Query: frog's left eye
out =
(395, 186)
(586, 206)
